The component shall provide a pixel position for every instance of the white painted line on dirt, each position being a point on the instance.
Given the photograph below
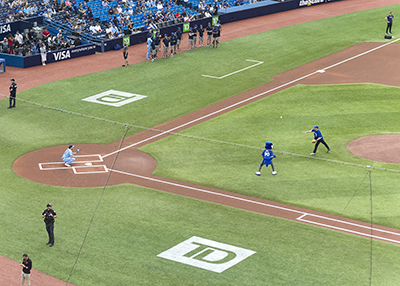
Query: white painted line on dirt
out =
(74, 169)
(349, 223)
(303, 214)
(351, 231)
(243, 101)
(229, 74)
(42, 166)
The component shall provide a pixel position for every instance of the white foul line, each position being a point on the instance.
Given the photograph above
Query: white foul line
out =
(303, 214)
(248, 99)
(229, 74)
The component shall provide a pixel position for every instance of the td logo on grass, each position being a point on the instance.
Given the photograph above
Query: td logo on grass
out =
(206, 254)
(114, 98)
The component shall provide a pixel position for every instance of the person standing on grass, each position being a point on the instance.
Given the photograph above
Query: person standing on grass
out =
(13, 93)
(201, 34)
(49, 215)
(319, 139)
(166, 45)
(215, 37)
(26, 270)
(389, 19)
(125, 53)
(209, 33)
(267, 156)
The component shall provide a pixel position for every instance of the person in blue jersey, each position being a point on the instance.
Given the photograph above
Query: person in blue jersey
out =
(178, 38)
(389, 19)
(267, 156)
(173, 40)
(68, 156)
(201, 34)
(166, 45)
(215, 37)
(209, 34)
(318, 139)
(194, 36)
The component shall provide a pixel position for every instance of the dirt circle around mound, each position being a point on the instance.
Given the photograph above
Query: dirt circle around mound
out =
(383, 148)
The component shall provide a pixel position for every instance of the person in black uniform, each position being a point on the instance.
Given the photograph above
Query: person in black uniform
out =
(13, 93)
(49, 215)
(26, 270)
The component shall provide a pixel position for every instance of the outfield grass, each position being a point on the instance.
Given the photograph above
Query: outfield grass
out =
(343, 112)
(134, 224)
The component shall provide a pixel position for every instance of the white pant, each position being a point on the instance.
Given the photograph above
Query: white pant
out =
(26, 277)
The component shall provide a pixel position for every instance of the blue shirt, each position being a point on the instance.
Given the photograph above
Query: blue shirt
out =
(390, 18)
(267, 154)
(149, 42)
(317, 134)
(67, 154)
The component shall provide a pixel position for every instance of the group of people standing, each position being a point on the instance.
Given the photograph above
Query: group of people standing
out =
(172, 43)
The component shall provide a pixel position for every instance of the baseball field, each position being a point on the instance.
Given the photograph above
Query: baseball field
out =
(270, 86)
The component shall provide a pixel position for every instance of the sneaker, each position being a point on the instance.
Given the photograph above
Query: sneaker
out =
(152, 60)
(123, 65)
(67, 165)
(258, 173)
(328, 150)
(274, 172)
(312, 154)
(9, 107)
(172, 55)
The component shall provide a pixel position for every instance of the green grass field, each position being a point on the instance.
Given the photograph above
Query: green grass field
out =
(133, 224)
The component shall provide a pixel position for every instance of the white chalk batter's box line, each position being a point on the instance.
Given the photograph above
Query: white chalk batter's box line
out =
(98, 156)
(74, 169)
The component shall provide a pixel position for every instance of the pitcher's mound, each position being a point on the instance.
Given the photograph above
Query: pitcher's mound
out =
(380, 148)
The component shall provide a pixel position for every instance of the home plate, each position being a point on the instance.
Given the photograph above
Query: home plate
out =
(88, 164)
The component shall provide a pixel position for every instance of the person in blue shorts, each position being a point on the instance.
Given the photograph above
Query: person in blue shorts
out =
(318, 139)
(267, 156)
(194, 36)
(68, 156)
(201, 34)
(178, 38)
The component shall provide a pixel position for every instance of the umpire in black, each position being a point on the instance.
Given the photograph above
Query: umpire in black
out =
(49, 215)
(13, 93)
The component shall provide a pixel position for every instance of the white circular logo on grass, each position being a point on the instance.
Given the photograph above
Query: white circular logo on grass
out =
(114, 98)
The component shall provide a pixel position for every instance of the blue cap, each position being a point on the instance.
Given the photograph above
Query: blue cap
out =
(209, 23)
(70, 146)
(268, 145)
(316, 126)
(179, 28)
(201, 26)
(195, 25)
(166, 35)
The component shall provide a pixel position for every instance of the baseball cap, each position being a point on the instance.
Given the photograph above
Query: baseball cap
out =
(49, 205)
(179, 28)
(25, 255)
(316, 126)
(166, 35)
(12, 79)
(70, 146)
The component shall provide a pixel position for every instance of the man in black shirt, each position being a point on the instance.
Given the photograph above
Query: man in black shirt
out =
(49, 215)
(13, 93)
(26, 270)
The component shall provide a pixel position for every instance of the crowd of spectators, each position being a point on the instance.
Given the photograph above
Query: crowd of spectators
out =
(30, 43)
